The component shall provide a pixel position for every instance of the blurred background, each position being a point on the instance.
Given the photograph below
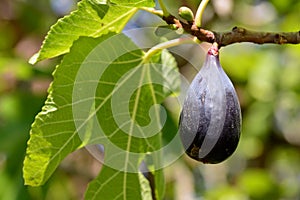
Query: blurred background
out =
(266, 164)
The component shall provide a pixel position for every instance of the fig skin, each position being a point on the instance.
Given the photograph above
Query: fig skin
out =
(210, 120)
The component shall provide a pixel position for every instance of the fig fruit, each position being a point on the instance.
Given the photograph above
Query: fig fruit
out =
(210, 120)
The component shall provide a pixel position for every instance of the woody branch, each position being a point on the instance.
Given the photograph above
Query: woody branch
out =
(236, 35)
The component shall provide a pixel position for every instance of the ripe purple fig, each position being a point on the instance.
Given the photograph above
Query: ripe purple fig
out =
(210, 120)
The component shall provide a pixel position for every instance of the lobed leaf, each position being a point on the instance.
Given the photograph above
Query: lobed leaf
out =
(53, 134)
(90, 19)
(93, 78)
(126, 95)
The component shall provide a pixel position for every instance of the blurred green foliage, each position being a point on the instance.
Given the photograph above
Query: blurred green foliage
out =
(266, 164)
(23, 90)
(266, 77)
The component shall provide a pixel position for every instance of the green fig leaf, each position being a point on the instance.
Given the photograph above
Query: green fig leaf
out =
(90, 19)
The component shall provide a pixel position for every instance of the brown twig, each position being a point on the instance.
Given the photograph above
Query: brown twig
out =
(236, 35)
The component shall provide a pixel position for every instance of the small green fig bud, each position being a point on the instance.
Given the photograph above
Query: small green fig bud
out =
(186, 13)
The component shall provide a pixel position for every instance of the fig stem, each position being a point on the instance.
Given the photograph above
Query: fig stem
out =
(214, 49)
(168, 44)
(199, 13)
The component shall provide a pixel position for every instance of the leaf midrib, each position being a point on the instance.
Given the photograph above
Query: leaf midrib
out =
(131, 129)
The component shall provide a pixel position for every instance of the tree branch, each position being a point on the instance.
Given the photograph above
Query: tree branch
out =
(236, 35)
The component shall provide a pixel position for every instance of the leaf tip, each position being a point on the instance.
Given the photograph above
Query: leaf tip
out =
(34, 59)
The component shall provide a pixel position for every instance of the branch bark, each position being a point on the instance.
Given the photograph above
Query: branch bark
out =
(236, 35)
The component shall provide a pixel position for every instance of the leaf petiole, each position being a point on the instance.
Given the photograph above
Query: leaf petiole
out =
(199, 13)
(154, 11)
(168, 44)
(164, 9)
